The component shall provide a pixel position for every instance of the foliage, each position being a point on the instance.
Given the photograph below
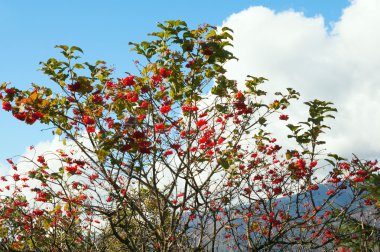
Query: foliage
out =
(154, 162)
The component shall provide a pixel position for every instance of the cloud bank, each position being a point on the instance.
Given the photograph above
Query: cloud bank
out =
(341, 65)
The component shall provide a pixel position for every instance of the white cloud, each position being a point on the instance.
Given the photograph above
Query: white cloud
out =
(3, 168)
(342, 66)
(24, 164)
(28, 160)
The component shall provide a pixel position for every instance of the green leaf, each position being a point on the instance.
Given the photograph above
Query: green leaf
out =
(75, 48)
(63, 47)
(78, 66)
(100, 62)
(292, 127)
(330, 161)
(224, 163)
(262, 120)
(221, 108)
(187, 89)
(227, 29)
(336, 157)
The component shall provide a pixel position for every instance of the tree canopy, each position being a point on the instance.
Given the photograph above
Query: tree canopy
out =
(177, 157)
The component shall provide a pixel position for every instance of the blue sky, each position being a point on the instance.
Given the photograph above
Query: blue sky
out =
(30, 29)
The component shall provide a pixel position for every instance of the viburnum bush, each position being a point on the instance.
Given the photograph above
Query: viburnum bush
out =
(154, 161)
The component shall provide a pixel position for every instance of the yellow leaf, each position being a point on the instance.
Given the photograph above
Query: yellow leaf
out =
(46, 224)
(255, 225)
(43, 104)
(3, 231)
(57, 208)
(102, 154)
(66, 207)
(32, 98)
(58, 131)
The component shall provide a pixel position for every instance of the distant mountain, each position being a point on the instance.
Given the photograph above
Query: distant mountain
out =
(289, 205)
